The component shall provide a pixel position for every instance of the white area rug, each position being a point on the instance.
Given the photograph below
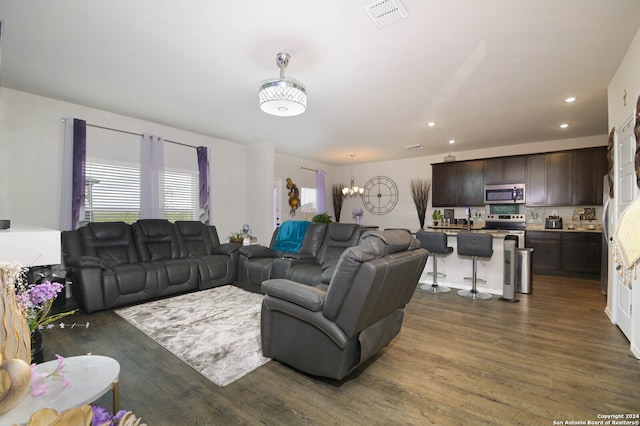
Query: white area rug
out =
(215, 331)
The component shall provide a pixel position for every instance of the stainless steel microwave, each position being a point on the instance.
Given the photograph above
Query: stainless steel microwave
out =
(504, 194)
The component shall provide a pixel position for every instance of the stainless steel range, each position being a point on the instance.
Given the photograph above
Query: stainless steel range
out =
(513, 225)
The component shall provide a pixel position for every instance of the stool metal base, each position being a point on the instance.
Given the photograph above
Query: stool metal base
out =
(435, 288)
(474, 294)
(478, 280)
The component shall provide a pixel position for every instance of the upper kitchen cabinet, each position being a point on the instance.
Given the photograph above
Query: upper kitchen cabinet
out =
(549, 179)
(504, 170)
(536, 180)
(471, 183)
(589, 168)
(560, 178)
(444, 184)
(566, 178)
(458, 184)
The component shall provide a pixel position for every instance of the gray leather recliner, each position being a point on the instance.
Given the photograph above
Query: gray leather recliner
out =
(330, 333)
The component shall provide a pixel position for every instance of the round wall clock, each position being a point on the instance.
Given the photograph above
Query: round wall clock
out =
(380, 195)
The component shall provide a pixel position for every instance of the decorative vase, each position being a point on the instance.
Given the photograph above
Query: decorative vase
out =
(15, 342)
(37, 348)
(358, 219)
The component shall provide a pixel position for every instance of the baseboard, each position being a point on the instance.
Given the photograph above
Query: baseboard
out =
(609, 314)
(635, 350)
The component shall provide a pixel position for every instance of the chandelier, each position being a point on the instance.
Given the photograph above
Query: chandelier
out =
(353, 190)
(284, 97)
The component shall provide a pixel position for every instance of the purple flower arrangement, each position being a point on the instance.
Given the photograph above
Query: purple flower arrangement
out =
(35, 301)
(357, 212)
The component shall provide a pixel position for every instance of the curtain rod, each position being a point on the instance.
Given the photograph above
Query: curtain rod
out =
(130, 133)
(306, 168)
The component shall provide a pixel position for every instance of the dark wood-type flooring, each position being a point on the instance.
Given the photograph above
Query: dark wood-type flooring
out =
(553, 356)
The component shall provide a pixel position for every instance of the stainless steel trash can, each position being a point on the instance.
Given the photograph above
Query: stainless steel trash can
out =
(523, 270)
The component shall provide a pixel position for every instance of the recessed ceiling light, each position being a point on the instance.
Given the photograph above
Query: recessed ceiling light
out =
(452, 141)
(570, 99)
(431, 123)
(564, 125)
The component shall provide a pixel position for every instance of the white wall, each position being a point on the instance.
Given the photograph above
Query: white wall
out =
(626, 80)
(260, 191)
(31, 143)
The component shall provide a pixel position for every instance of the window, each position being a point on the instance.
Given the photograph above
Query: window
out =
(113, 193)
(308, 200)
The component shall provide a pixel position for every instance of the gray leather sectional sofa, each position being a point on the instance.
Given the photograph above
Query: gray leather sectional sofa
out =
(313, 264)
(113, 264)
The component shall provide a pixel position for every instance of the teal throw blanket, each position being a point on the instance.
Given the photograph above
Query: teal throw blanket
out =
(289, 238)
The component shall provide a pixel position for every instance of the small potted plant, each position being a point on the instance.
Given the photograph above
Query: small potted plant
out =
(436, 216)
(236, 237)
(321, 218)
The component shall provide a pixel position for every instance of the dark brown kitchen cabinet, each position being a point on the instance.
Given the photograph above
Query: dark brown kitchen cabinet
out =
(545, 258)
(470, 183)
(458, 184)
(569, 254)
(536, 181)
(581, 253)
(560, 178)
(550, 179)
(589, 168)
(504, 170)
(444, 184)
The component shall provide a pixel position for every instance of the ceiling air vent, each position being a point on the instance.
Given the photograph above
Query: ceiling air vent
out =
(386, 12)
(412, 147)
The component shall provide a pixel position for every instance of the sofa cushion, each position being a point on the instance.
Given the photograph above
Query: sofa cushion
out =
(159, 251)
(342, 279)
(113, 255)
(110, 241)
(387, 242)
(156, 240)
(196, 248)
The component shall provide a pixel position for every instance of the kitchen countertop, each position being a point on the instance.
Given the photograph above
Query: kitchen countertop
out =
(540, 227)
(453, 230)
(530, 227)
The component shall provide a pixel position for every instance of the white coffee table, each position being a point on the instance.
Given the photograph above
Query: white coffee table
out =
(91, 376)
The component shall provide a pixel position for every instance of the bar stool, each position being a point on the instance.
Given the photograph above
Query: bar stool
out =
(475, 245)
(436, 243)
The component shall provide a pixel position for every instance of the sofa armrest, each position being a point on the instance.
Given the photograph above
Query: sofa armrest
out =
(256, 251)
(282, 265)
(308, 297)
(297, 256)
(226, 248)
(86, 262)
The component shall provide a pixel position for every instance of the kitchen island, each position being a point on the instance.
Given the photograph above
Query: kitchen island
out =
(458, 267)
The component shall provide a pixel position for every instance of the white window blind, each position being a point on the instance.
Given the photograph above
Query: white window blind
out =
(113, 193)
(308, 200)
